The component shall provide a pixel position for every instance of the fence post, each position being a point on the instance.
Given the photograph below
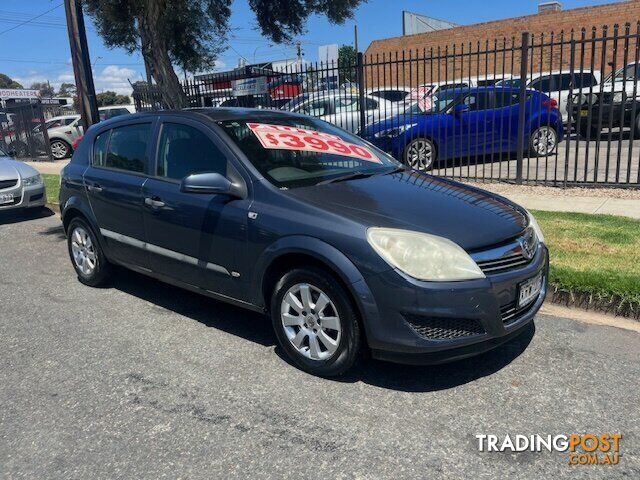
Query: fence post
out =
(360, 70)
(522, 100)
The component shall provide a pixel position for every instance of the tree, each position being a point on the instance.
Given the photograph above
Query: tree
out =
(67, 90)
(192, 33)
(45, 89)
(7, 82)
(108, 97)
(347, 60)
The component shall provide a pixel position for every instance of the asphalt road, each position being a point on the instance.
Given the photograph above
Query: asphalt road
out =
(143, 380)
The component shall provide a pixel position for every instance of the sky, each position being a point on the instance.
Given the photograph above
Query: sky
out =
(39, 50)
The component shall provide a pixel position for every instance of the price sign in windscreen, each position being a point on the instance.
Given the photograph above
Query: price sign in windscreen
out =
(283, 137)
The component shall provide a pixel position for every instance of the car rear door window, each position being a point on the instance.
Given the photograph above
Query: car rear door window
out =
(128, 146)
(584, 80)
(506, 98)
(478, 101)
(545, 84)
(100, 149)
(184, 150)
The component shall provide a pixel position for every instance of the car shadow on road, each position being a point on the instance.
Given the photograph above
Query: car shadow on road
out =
(8, 217)
(257, 328)
(212, 313)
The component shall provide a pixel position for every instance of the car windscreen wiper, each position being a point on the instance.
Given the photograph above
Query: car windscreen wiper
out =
(350, 176)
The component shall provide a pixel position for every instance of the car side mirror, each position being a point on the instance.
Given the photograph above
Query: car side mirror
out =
(460, 109)
(210, 183)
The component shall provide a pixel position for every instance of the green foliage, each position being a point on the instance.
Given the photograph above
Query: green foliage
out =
(67, 90)
(46, 90)
(347, 60)
(108, 98)
(7, 82)
(195, 30)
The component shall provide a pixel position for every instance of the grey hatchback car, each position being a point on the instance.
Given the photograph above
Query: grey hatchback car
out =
(346, 249)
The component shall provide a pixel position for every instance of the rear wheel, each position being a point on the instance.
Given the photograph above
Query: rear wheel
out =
(60, 149)
(543, 141)
(420, 154)
(315, 323)
(87, 256)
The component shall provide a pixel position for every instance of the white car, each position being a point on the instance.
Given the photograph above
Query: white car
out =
(21, 186)
(63, 131)
(343, 109)
(557, 85)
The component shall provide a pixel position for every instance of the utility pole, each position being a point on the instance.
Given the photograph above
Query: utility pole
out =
(355, 35)
(81, 63)
(299, 54)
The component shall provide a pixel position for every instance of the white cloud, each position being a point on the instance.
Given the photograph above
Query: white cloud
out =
(115, 78)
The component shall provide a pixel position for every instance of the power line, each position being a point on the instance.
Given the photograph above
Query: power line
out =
(30, 20)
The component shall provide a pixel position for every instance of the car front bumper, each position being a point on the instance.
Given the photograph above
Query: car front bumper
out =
(603, 116)
(419, 322)
(25, 197)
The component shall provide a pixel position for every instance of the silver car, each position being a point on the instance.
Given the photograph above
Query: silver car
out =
(21, 186)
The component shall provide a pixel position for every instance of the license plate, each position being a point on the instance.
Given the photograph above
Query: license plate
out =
(529, 290)
(584, 113)
(6, 198)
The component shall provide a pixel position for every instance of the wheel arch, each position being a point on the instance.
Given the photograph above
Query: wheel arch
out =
(300, 251)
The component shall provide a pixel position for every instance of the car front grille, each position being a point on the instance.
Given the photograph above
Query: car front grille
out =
(514, 254)
(8, 183)
(504, 263)
(438, 328)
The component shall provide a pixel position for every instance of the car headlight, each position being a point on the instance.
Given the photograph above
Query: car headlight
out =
(423, 256)
(31, 181)
(536, 228)
(618, 97)
(394, 132)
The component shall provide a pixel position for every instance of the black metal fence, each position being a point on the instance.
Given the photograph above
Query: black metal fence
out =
(22, 130)
(554, 109)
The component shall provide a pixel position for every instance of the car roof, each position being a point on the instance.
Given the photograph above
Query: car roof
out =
(213, 113)
(60, 117)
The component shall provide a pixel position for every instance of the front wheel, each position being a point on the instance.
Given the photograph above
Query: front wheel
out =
(315, 322)
(420, 154)
(60, 149)
(87, 256)
(543, 141)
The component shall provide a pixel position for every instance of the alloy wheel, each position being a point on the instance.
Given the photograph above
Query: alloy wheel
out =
(420, 154)
(84, 254)
(544, 140)
(59, 149)
(310, 321)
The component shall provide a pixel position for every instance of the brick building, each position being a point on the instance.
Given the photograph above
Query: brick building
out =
(494, 48)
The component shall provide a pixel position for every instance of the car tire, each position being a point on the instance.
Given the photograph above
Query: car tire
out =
(549, 138)
(420, 154)
(60, 149)
(87, 257)
(322, 340)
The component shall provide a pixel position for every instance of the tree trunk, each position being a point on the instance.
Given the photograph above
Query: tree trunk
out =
(156, 54)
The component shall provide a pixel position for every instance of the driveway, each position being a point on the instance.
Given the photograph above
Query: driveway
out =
(144, 380)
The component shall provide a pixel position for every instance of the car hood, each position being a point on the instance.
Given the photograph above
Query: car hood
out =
(11, 169)
(410, 200)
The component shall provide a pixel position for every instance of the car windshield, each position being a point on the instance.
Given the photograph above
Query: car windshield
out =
(298, 152)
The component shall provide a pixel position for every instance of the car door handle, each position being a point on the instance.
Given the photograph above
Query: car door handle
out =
(154, 202)
(94, 188)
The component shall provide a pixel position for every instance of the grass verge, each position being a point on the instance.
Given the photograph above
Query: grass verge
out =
(52, 184)
(595, 260)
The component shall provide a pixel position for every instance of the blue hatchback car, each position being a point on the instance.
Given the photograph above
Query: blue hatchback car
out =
(288, 215)
(466, 123)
